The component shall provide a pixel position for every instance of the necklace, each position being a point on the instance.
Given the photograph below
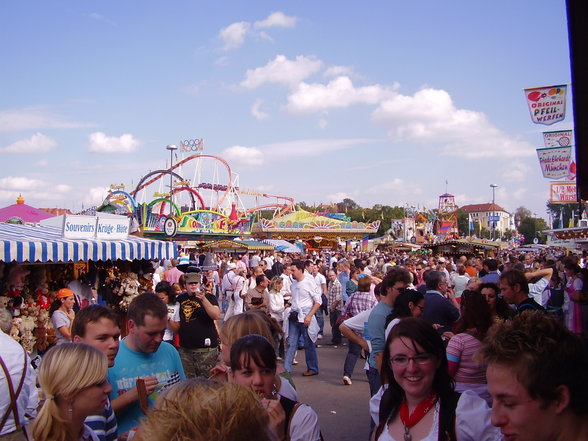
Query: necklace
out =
(410, 420)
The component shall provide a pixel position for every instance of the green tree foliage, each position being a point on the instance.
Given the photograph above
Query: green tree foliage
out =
(530, 227)
(463, 223)
(565, 210)
(520, 214)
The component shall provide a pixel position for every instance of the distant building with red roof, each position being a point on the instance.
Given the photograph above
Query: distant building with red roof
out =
(486, 214)
(57, 211)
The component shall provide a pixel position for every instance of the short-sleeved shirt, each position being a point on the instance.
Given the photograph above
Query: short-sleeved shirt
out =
(59, 319)
(104, 425)
(461, 349)
(165, 364)
(377, 329)
(196, 326)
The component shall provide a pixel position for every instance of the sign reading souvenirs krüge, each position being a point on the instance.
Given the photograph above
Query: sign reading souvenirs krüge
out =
(555, 162)
(99, 227)
(547, 105)
(563, 192)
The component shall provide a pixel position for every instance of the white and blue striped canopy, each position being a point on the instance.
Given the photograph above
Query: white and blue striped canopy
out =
(25, 243)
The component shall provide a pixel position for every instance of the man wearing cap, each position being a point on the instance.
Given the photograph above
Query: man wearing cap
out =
(194, 322)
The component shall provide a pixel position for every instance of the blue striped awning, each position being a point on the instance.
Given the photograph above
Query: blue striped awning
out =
(25, 243)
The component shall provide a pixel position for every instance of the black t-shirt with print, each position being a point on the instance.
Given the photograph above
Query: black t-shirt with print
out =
(195, 323)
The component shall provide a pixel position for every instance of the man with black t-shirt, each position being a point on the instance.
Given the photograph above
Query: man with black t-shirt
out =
(194, 322)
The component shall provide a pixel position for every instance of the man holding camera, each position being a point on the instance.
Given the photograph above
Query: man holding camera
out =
(194, 322)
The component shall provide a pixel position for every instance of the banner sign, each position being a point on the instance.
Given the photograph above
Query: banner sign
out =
(563, 192)
(112, 228)
(561, 138)
(555, 162)
(547, 105)
(99, 227)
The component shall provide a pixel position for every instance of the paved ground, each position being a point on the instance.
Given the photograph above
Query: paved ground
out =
(342, 410)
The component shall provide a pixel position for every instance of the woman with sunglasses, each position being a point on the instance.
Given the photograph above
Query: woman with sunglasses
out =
(420, 402)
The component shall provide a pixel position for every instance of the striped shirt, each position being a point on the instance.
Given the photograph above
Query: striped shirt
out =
(461, 350)
(104, 425)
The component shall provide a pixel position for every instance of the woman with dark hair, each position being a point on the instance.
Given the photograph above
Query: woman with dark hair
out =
(470, 330)
(420, 402)
(351, 285)
(499, 309)
(253, 365)
(409, 303)
(167, 293)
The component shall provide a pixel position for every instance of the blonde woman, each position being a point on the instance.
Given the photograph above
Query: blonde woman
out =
(203, 410)
(73, 379)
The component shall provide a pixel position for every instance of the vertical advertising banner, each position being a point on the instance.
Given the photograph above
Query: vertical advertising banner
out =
(547, 105)
(555, 162)
(560, 138)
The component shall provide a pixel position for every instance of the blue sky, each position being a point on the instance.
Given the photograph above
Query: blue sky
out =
(381, 101)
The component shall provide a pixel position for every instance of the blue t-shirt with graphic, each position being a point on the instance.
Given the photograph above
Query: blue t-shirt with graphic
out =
(165, 364)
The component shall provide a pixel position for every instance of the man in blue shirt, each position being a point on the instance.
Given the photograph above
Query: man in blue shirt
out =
(441, 308)
(141, 355)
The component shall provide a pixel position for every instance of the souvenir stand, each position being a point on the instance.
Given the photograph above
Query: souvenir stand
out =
(102, 262)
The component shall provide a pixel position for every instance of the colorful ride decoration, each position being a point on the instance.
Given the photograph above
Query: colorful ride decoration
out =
(314, 230)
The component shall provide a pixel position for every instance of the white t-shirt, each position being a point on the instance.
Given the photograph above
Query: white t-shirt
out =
(472, 419)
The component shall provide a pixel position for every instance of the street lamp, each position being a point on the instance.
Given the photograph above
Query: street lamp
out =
(171, 149)
(493, 186)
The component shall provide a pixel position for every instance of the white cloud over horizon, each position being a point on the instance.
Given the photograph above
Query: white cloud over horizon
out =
(256, 110)
(37, 143)
(282, 71)
(234, 35)
(100, 143)
(34, 118)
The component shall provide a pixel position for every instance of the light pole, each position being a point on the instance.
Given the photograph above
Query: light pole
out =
(171, 149)
(493, 186)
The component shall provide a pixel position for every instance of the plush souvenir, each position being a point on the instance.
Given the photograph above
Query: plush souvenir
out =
(4, 302)
(14, 330)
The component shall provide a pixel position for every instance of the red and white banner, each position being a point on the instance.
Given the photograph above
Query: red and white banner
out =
(555, 162)
(563, 192)
(547, 105)
(560, 138)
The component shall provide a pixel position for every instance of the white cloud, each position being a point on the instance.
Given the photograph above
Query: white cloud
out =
(20, 183)
(233, 35)
(430, 116)
(323, 123)
(337, 71)
(41, 163)
(515, 171)
(100, 143)
(338, 93)
(99, 17)
(256, 110)
(33, 118)
(337, 197)
(397, 187)
(95, 195)
(38, 143)
(222, 61)
(281, 70)
(243, 155)
(276, 19)
(308, 147)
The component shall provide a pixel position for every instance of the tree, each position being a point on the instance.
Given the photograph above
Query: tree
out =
(520, 214)
(463, 223)
(530, 227)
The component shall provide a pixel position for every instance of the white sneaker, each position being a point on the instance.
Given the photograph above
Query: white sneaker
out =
(320, 336)
(347, 381)
(294, 362)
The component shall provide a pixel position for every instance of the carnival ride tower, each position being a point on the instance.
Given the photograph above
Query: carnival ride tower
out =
(447, 214)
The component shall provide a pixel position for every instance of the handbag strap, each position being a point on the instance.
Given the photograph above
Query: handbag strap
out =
(13, 395)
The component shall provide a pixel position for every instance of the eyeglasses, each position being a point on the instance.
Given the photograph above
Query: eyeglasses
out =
(402, 360)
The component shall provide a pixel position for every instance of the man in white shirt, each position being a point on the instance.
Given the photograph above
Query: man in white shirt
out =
(22, 381)
(321, 283)
(306, 301)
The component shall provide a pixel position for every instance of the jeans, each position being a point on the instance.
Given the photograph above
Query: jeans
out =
(351, 358)
(295, 329)
(336, 334)
(320, 319)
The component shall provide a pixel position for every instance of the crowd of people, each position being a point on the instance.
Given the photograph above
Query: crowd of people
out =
(455, 347)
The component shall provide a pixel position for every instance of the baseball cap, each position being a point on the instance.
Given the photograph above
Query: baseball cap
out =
(64, 292)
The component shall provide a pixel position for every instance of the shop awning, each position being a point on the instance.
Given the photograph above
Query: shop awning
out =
(23, 243)
(283, 245)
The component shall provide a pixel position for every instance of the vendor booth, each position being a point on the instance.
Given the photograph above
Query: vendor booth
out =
(461, 247)
(237, 246)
